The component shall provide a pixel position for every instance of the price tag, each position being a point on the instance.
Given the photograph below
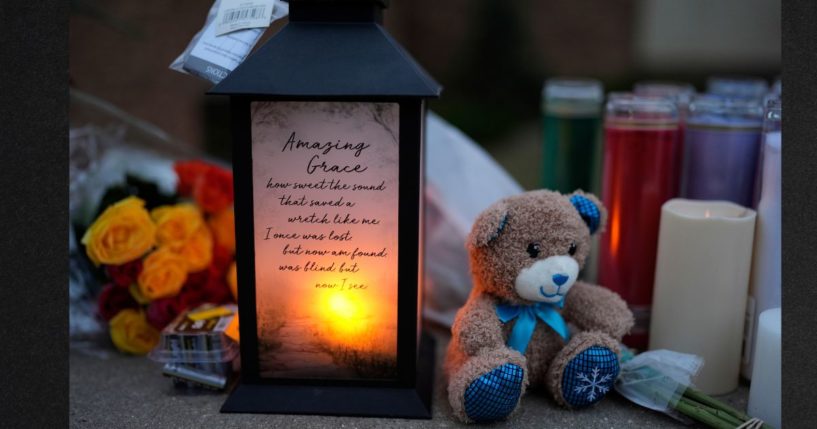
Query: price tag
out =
(236, 15)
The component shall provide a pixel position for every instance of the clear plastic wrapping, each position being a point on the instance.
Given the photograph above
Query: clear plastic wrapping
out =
(657, 379)
(197, 342)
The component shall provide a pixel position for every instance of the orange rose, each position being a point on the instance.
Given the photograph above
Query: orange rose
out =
(163, 274)
(213, 190)
(188, 172)
(131, 333)
(232, 280)
(198, 250)
(223, 226)
(210, 185)
(122, 233)
(176, 224)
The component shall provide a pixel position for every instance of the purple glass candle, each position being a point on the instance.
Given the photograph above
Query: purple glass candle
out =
(721, 147)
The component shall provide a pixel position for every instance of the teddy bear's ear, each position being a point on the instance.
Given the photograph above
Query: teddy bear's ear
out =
(489, 225)
(590, 209)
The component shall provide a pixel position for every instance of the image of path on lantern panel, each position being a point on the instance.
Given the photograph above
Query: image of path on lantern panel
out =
(342, 343)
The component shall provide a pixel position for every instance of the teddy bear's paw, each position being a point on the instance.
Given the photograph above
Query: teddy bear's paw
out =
(589, 376)
(494, 395)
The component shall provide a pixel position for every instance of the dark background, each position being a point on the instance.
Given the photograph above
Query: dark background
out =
(491, 56)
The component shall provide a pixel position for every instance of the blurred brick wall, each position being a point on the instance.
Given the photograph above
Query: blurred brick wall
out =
(583, 36)
(120, 50)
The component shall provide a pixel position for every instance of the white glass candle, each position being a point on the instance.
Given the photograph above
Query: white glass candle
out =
(764, 288)
(765, 393)
(701, 283)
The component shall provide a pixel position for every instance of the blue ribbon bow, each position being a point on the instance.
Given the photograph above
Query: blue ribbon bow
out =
(526, 323)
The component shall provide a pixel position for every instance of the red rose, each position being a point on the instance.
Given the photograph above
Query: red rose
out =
(114, 299)
(213, 191)
(196, 280)
(190, 299)
(193, 291)
(126, 274)
(188, 173)
(222, 258)
(162, 311)
(206, 286)
(217, 291)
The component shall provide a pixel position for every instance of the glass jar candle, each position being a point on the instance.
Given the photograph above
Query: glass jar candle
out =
(681, 92)
(765, 289)
(737, 87)
(642, 153)
(571, 124)
(721, 147)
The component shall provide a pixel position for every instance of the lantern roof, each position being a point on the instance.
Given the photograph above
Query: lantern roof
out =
(331, 49)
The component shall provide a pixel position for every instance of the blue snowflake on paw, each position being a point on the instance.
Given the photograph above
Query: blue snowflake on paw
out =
(589, 376)
(593, 383)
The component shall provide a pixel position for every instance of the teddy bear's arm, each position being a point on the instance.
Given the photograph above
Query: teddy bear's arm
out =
(594, 308)
(477, 326)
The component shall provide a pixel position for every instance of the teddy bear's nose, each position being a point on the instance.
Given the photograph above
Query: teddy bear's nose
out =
(560, 279)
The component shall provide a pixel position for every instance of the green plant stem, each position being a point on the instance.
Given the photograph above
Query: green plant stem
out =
(715, 412)
(702, 415)
(705, 399)
(697, 395)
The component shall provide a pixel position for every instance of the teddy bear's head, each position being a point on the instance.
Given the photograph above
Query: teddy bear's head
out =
(530, 247)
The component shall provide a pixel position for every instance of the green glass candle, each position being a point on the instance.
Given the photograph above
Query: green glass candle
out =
(571, 123)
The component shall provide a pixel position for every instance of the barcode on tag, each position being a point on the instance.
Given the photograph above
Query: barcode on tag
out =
(233, 15)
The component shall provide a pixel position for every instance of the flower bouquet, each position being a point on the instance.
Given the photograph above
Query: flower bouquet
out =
(160, 255)
(661, 380)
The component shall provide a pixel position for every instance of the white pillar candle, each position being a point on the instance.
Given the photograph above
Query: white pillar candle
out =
(701, 284)
(765, 392)
(764, 289)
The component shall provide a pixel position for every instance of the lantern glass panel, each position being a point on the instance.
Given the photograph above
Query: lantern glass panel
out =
(325, 211)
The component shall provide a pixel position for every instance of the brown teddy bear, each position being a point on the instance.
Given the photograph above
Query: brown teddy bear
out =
(526, 252)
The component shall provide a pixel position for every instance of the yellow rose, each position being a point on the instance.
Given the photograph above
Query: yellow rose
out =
(122, 233)
(176, 224)
(163, 274)
(198, 250)
(181, 228)
(232, 280)
(131, 332)
(223, 226)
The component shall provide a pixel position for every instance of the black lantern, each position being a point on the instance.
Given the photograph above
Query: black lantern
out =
(327, 124)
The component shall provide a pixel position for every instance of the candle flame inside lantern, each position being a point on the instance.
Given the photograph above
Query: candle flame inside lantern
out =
(343, 307)
(355, 324)
(346, 317)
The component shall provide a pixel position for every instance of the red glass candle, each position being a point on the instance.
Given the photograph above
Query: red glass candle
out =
(642, 164)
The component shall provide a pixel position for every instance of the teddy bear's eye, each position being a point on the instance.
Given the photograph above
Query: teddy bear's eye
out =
(572, 249)
(533, 250)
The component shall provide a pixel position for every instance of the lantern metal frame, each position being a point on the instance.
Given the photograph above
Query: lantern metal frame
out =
(395, 79)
